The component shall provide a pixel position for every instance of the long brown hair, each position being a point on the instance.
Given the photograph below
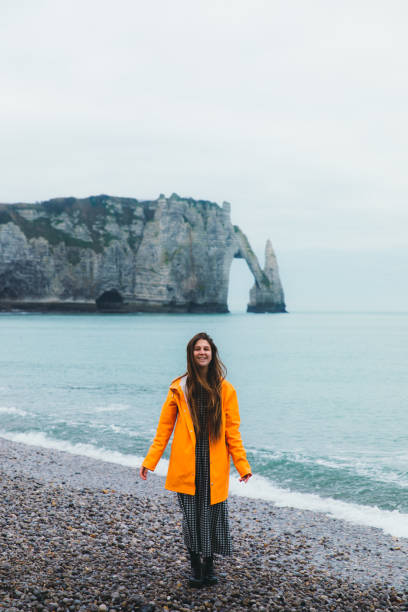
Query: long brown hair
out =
(212, 384)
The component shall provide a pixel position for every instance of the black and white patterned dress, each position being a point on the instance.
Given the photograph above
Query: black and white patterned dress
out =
(205, 527)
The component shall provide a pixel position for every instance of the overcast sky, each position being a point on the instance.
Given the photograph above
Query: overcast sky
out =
(293, 111)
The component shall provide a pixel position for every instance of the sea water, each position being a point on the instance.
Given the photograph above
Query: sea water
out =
(323, 398)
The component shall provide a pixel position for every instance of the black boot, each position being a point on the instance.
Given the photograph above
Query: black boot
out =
(208, 571)
(196, 578)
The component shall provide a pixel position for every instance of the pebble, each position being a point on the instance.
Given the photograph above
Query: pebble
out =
(103, 541)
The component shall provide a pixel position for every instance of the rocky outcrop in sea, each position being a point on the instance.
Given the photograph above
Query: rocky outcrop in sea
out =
(127, 255)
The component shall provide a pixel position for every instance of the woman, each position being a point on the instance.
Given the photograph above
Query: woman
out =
(203, 407)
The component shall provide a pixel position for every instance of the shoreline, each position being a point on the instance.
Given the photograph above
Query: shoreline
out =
(94, 534)
(393, 523)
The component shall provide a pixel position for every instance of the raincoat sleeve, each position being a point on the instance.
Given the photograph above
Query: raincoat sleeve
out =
(232, 433)
(165, 428)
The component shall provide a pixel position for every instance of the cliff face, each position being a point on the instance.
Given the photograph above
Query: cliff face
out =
(119, 254)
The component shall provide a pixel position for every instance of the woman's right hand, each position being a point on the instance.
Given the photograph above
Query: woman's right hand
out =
(143, 472)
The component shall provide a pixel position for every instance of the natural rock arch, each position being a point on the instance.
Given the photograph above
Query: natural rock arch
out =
(267, 294)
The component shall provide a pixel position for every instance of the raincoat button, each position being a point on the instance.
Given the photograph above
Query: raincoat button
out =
(212, 484)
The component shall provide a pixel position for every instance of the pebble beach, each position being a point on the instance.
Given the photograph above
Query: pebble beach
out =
(85, 535)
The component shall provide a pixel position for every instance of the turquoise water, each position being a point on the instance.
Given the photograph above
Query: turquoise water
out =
(323, 397)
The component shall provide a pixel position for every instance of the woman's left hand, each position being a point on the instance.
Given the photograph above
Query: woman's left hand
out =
(245, 478)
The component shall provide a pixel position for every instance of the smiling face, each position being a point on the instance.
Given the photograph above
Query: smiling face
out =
(202, 354)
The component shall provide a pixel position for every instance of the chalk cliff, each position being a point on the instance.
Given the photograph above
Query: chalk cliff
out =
(121, 254)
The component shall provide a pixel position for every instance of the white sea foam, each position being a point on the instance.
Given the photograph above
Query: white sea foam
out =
(109, 408)
(38, 438)
(391, 522)
(107, 427)
(116, 428)
(12, 410)
(374, 470)
(378, 469)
